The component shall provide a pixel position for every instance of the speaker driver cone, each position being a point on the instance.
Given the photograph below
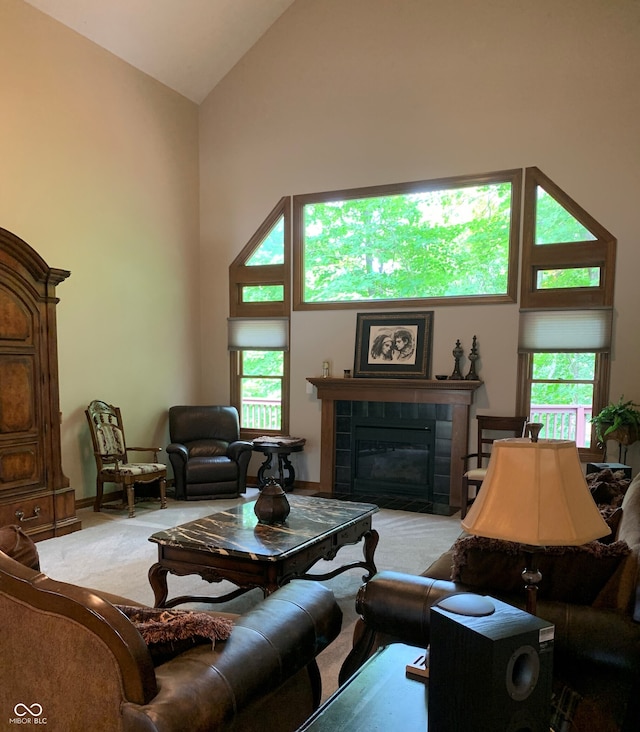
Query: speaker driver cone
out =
(523, 671)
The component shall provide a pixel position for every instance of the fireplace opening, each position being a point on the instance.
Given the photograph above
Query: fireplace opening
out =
(393, 458)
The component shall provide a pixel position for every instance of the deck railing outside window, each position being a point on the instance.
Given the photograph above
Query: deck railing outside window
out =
(261, 414)
(567, 422)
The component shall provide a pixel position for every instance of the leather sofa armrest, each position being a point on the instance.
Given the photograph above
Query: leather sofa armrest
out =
(178, 450)
(237, 448)
(394, 608)
(398, 604)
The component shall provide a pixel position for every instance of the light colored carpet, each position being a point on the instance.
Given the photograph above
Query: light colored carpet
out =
(112, 553)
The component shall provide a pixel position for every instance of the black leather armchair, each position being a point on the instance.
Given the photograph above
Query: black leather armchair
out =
(208, 458)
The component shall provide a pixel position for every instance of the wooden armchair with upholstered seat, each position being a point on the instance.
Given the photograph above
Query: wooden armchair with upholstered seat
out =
(111, 454)
(490, 428)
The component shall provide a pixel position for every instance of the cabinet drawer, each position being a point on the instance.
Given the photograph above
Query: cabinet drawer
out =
(27, 513)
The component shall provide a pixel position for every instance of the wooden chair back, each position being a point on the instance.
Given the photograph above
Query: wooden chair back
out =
(111, 455)
(491, 428)
(107, 433)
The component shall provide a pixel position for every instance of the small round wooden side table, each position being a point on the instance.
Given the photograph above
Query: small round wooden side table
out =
(282, 448)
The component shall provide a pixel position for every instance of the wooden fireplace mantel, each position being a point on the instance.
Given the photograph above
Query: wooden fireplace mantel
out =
(458, 394)
(419, 391)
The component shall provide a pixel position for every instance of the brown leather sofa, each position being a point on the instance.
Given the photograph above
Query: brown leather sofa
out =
(208, 458)
(71, 657)
(597, 645)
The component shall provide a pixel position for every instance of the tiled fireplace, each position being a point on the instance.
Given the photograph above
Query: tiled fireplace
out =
(393, 448)
(400, 437)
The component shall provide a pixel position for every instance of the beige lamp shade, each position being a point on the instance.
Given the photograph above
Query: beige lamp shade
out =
(535, 493)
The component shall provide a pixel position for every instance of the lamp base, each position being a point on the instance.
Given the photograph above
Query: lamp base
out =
(531, 576)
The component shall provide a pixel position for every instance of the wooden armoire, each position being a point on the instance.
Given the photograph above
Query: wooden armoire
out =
(34, 492)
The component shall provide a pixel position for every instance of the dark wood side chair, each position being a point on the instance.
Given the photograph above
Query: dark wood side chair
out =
(490, 428)
(110, 451)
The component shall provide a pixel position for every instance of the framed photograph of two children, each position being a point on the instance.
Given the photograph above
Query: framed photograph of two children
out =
(393, 345)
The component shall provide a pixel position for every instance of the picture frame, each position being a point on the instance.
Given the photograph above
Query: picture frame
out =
(393, 345)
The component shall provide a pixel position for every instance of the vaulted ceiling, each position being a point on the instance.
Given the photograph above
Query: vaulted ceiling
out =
(189, 45)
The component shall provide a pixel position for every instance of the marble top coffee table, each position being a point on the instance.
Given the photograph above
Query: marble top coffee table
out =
(232, 545)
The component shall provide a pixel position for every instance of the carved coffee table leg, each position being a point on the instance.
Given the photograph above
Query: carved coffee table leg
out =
(371, 539)
(158, 582)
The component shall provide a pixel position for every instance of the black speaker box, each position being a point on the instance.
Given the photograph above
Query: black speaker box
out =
(491, 673)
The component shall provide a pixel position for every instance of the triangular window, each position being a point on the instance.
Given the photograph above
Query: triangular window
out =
(271, 250)
(568, 257)
(554, 224)
(259, 275)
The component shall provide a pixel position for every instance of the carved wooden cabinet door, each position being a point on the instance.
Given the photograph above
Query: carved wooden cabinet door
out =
(34, 493)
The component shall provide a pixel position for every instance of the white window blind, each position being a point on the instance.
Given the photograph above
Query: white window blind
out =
(258, 334)
(568, 331)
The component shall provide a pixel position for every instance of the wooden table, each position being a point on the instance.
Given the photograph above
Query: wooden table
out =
(282, 450)
(377, 698)
(232, 545)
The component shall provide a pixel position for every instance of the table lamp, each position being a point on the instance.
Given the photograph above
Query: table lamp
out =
(535, 494)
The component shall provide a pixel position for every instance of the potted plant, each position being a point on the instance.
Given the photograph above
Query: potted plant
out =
(619, 422)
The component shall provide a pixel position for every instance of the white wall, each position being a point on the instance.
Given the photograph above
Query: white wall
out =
(100, 176)
(345, 93)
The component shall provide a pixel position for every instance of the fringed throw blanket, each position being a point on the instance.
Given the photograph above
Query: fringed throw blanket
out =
(170, 632)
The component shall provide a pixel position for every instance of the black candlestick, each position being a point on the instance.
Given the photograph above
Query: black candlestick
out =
(473, 357)
(457, 354)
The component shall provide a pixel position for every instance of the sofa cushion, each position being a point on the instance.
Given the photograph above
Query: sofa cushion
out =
(574, 574)
(168, 633)
(211, 470)
(629, 529)
(17, 545)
